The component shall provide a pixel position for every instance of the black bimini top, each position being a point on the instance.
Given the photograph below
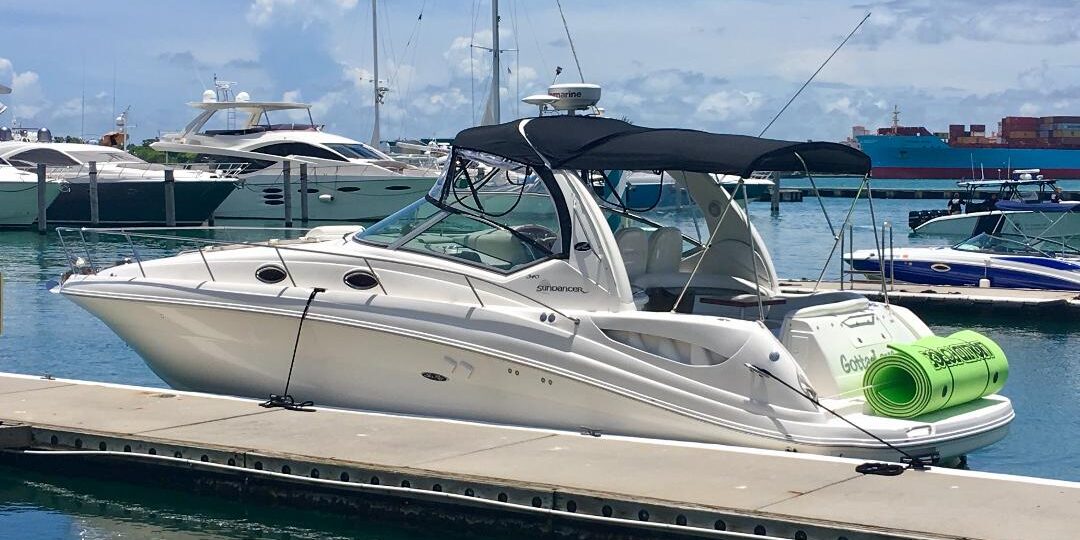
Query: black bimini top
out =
(593, 143)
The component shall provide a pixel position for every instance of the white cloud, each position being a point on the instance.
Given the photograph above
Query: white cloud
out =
(727, 105)
(27, 98)
(261, 12)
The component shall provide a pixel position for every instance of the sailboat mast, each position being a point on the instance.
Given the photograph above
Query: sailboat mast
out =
(495, 61)
(375, 75)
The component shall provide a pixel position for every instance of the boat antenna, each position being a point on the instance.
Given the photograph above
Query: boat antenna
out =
(807, 83)
(573, 50)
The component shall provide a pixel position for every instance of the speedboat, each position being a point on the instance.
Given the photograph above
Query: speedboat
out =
(1007, 209)
(130, 190)
(516, 293)
(985, 259)
(18, 196)
(347, 179)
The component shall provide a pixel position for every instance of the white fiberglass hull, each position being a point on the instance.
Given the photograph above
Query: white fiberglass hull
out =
(1033, 224)
(332, 196)
(499, 365)
(18, 202)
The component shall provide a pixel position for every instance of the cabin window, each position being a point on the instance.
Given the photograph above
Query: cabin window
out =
(356, 151)
(233, 162)
(47, 156)
(298, 149)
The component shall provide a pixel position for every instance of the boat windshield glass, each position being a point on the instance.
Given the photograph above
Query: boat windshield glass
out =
(102, 156)
(487, 216)
(356, 151)
(985, 243)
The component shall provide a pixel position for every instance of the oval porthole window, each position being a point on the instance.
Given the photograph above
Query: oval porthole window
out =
(348, 189)
(274, 202)
(272, 190)
(361, 279)
(396, 188)
(272, 196)
(270, 273)
(940, 267)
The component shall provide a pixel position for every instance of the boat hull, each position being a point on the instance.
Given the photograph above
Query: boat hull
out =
(1011, 272)
(18, 202)
(331, 197)
(928, 157)
(445, 361)
(1029, 224)
(129, 202)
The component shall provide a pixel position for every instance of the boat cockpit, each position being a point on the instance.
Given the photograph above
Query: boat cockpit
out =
(515, 216)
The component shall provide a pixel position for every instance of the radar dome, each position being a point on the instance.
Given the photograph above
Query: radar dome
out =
(243, 97)
(208, 96)
(574, 96)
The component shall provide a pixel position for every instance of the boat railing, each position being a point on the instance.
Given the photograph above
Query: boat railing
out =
(885, 255)
(78, 265)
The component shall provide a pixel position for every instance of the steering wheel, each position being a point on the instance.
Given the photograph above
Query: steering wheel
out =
(538, 233)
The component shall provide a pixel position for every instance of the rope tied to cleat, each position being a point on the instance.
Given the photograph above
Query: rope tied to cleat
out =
(285, 400)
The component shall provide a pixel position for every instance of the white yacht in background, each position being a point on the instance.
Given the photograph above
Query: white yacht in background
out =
(130, 190)
(348, 180)
(18, 196)
(521, 295)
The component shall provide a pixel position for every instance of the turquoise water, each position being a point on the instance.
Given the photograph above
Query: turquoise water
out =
(44, 333)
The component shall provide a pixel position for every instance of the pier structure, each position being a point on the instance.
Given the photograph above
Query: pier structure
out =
(529, 481)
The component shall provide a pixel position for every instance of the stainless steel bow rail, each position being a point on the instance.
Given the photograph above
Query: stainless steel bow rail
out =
(77, 264)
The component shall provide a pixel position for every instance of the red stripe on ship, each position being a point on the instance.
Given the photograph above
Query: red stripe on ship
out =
(958, 173)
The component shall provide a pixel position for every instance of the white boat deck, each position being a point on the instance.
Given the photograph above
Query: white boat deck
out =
(605, 481)
(914, 295)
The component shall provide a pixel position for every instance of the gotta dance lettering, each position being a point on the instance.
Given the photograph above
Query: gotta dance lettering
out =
(857, 363)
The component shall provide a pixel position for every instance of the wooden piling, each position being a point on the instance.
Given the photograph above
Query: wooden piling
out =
(95, 216)
(774, 206)
(42, 219)
(170, 198)
(303, 193)
(286, 173)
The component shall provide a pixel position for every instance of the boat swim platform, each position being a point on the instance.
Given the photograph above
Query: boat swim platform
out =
(993, 300)
(526, 481)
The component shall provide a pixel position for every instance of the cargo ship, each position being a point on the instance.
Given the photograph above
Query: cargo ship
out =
(1048, 143)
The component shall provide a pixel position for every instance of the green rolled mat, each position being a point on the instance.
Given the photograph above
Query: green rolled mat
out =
(934, 373)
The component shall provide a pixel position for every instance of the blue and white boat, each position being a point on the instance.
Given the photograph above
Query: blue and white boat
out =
(1013, 262)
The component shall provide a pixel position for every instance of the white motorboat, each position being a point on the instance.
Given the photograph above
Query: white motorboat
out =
(985, 259)
(513, 293)
(18, 196)
(1008, 210)
(347, 179)
(130, 190)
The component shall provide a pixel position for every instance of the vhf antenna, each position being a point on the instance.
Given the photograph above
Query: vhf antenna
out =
(821, 67)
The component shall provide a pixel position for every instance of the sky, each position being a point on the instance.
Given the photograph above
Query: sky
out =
(725, 66)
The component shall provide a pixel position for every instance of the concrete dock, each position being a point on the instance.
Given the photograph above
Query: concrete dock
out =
(974, 299)
(906, 193)
(527, 480)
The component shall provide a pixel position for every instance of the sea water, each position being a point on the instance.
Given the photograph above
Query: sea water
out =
(46, 334)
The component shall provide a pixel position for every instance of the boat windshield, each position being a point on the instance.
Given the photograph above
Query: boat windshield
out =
(985, 243)
(497, 218)
(103, 156)
(356, 151)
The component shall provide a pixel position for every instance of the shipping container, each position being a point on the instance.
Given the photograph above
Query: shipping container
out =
(1021, 135)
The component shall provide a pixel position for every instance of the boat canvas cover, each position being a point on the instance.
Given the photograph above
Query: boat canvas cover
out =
(594, 143)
